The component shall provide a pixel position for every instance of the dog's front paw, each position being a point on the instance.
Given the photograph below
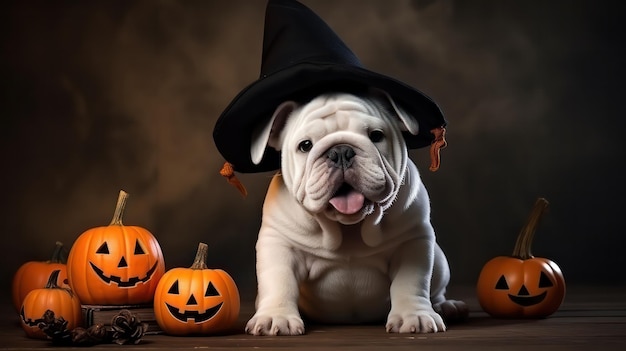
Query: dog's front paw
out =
(417, 321)
(276, 324)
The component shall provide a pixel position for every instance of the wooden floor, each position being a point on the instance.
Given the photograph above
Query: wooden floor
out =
(589, 319)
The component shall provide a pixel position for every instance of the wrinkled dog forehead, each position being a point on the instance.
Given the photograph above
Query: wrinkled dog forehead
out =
(326, 114)
(339, 112)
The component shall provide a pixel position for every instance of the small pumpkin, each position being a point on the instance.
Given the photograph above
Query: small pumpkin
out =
(521, 285)
(34, 275)
(62, 301)
(115, 264)
(196, 300)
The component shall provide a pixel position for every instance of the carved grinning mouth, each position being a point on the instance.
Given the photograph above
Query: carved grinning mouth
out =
(123, 284)
(528, 300)
(196, 316)
(29, 322)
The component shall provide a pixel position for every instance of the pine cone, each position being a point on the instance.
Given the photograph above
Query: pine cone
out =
(55, 329)
(127, 328)
(96, 334)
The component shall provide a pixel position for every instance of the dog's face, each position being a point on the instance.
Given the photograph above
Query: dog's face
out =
(342, 156)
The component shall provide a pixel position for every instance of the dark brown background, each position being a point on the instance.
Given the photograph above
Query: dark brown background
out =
(99, 96)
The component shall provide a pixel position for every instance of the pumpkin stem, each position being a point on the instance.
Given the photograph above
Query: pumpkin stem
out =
(119, 208)
(52, 280)
(200, 261)
(525, 237)
(59, 255)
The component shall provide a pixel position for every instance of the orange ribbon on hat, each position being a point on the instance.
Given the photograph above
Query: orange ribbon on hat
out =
(228, 172)
(436, 146)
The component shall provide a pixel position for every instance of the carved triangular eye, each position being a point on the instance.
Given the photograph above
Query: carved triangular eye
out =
(211, 291)
(103, 249)
(544, 281)
(174, 288)
(502, 284)
(138, 249)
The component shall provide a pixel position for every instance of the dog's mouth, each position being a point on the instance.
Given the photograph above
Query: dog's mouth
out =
(347, 200)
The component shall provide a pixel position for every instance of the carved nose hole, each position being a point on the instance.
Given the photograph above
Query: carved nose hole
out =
(122, 263)
(523, 291)
(192, 300)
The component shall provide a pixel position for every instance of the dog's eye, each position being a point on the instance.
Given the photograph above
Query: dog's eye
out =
(305, 146)
(376, 135)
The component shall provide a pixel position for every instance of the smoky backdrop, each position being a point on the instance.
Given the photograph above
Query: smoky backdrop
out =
(99, 96)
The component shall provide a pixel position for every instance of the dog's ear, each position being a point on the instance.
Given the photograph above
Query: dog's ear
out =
(409, 123)
(268, 134)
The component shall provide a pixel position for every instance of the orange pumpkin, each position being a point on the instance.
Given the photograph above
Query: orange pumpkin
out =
(34, 275)
(115, 264)
(196, 300)
(521, 285)
(60, 300)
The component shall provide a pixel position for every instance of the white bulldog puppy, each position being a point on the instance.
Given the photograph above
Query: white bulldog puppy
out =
(346, 234)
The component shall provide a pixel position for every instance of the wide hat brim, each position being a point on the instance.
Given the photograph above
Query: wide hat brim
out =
(301, 81)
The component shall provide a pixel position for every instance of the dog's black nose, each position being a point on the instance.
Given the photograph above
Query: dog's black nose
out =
(341, 156)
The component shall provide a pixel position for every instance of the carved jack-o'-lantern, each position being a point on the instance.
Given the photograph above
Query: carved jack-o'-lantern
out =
(196, 300)
(115, 264)
(52, 297)
(522, 285)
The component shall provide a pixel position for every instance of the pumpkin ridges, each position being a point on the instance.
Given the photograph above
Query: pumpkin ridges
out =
(195, 281)
(521, 285)
(525, 237)
(128, 233)
(26, 279)
(233, 295)
(80, 284)
(50, 297)
(518, 272)
(220, 284)
(199, 263)
(120, 239)
(126, 236)
(150, 244)
(164, 282)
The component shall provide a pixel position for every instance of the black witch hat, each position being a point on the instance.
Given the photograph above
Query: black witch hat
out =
(303, 57)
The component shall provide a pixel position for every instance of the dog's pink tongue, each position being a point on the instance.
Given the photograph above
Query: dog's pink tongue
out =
(350, 203)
